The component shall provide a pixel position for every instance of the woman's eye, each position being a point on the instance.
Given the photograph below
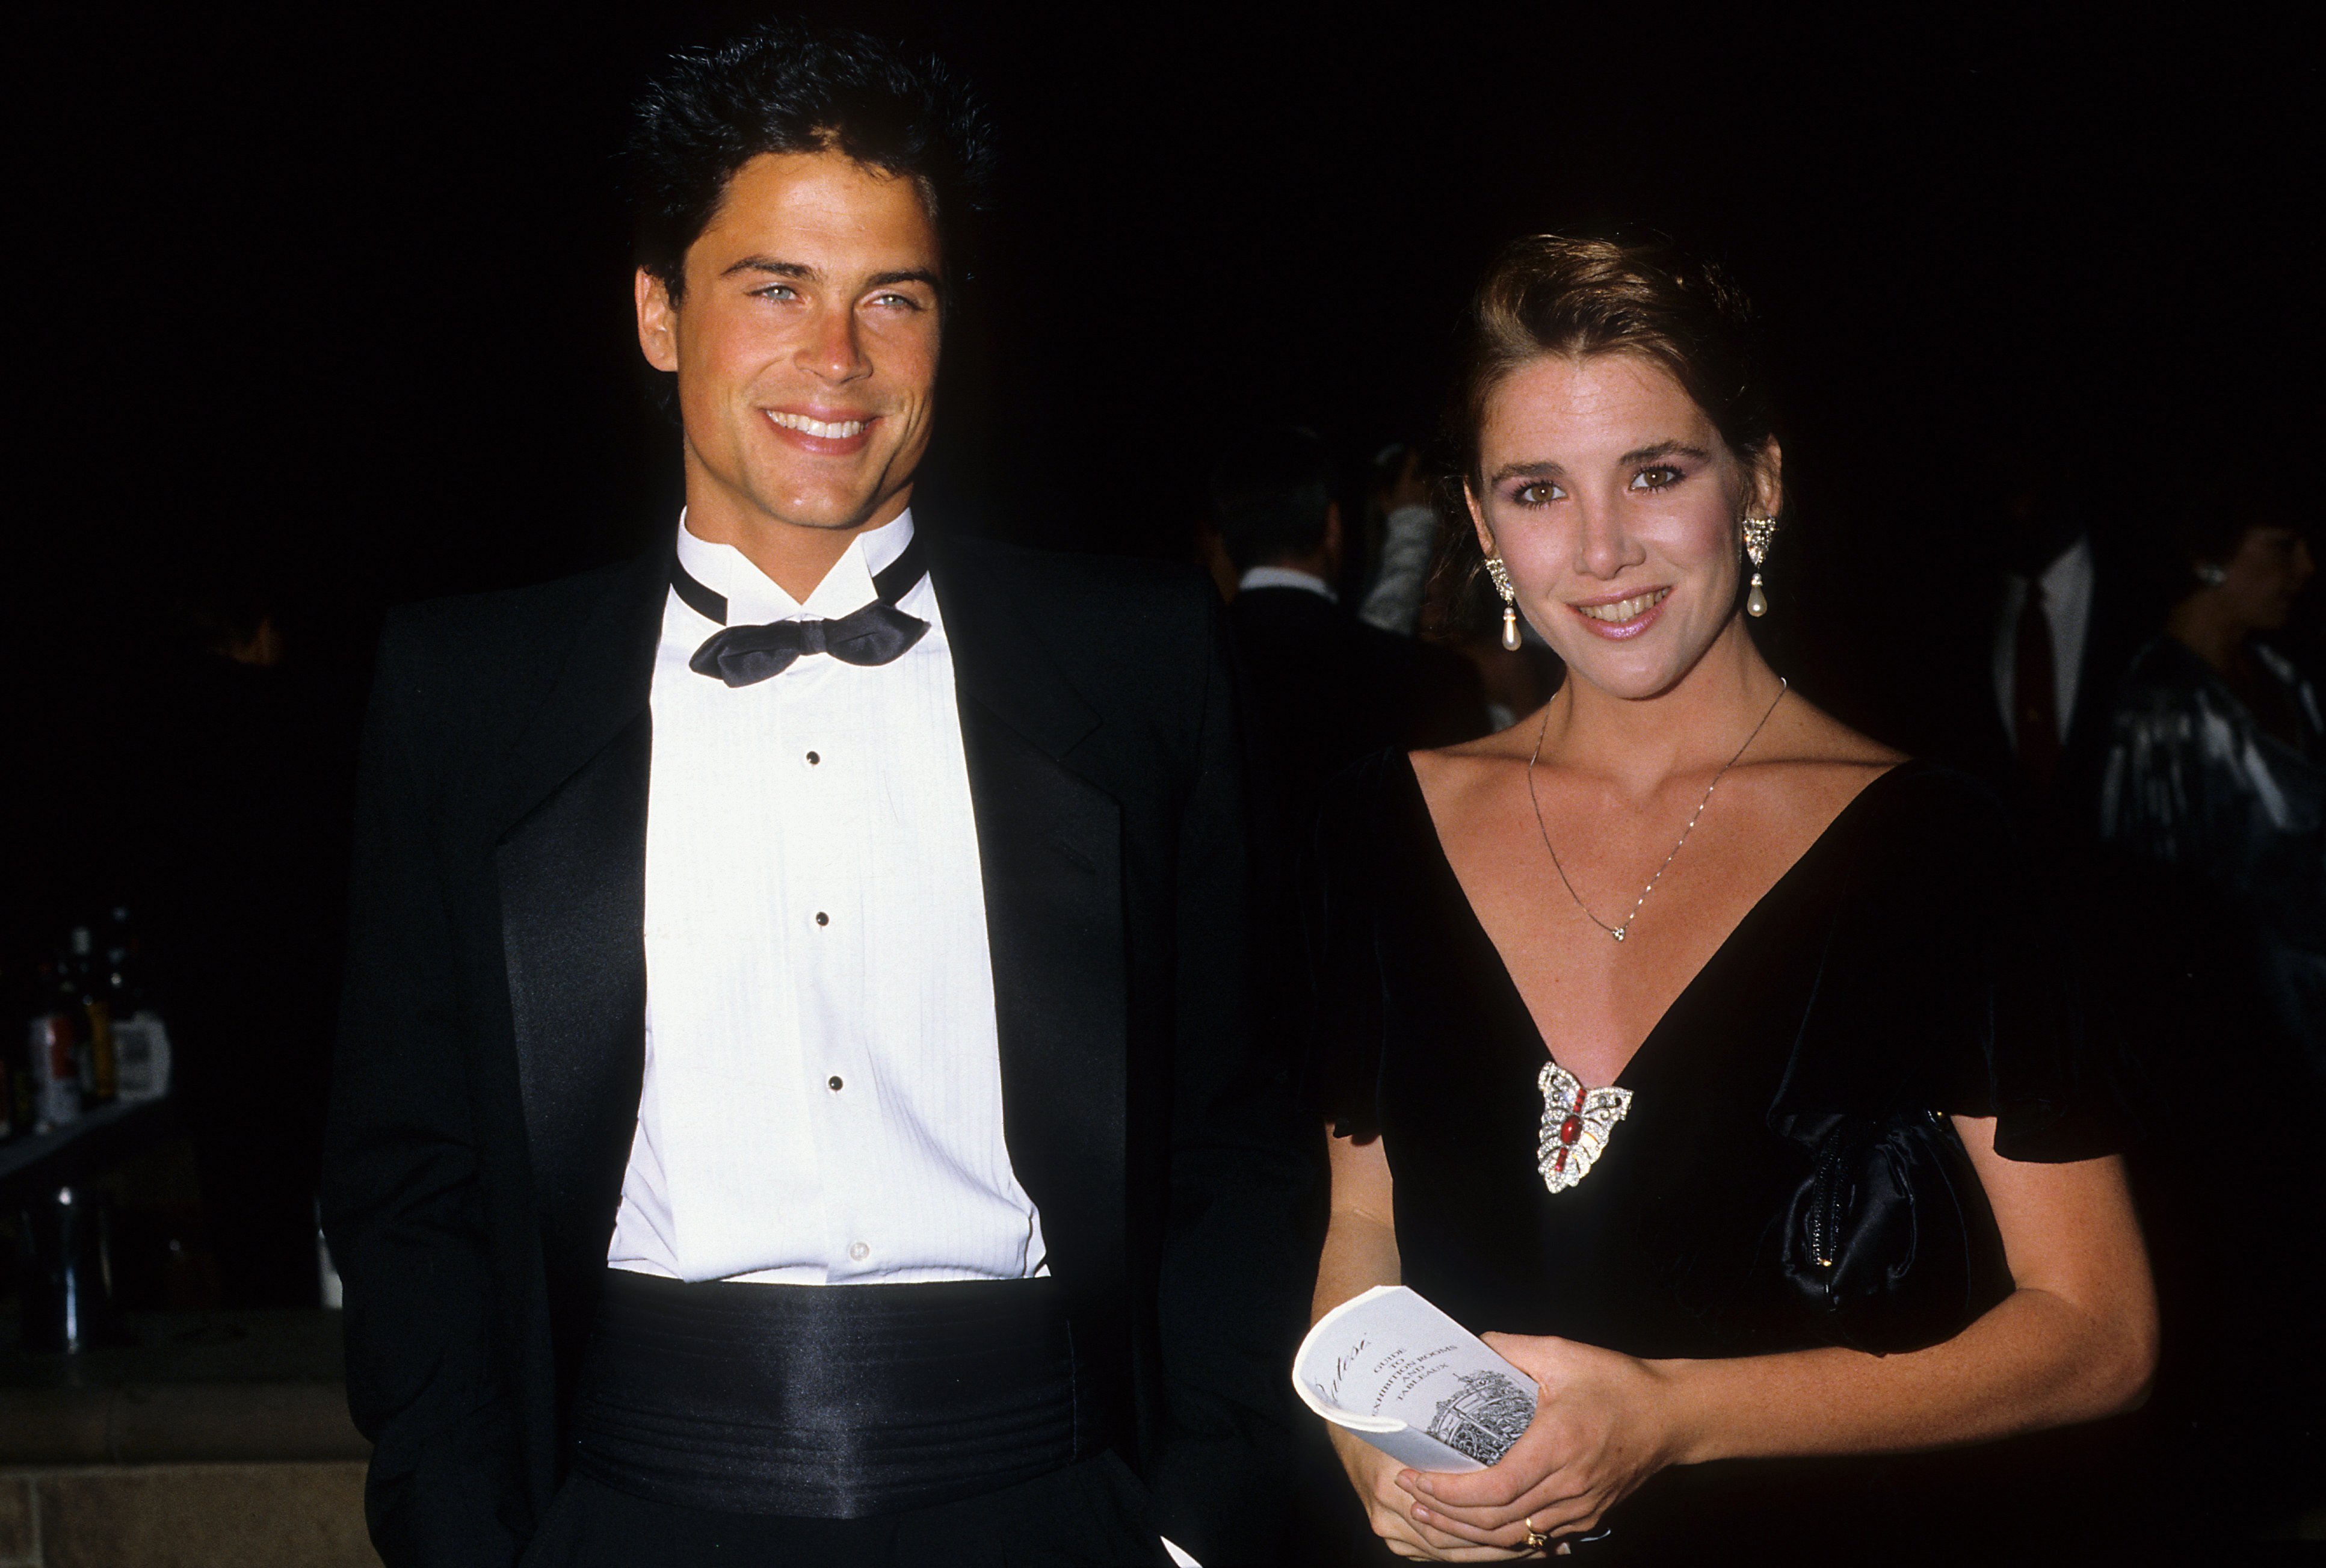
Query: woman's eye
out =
(1541, 493)
(1655, 479)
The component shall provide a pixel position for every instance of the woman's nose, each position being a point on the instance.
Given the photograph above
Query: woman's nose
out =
(1604, 547)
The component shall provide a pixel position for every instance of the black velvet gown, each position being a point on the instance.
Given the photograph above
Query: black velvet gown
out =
(1899, 965)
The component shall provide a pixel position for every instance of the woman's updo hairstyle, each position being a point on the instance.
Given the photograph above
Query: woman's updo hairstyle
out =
(1547, 294)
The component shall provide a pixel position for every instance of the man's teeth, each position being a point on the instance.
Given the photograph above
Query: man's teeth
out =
(1624, 610)
(817, 427)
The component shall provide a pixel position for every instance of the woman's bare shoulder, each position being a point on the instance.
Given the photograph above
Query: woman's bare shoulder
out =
(1817, 764)
(1803, 732)
(1449, 772)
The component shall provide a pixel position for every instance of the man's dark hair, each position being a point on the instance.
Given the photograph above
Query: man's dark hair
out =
(792, 87)
(1270, 495)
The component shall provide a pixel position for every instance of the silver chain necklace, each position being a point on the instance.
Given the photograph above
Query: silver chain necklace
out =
(1617, 932)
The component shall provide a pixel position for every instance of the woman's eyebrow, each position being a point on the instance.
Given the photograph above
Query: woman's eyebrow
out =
(1661, 448)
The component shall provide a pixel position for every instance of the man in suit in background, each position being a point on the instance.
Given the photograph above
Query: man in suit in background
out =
(798, 1098)
(2040, 641)
(1326, 688)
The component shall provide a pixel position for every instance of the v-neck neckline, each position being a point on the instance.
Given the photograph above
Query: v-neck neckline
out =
(1418, 803)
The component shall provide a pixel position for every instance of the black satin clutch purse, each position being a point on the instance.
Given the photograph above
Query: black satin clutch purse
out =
(1889, 1243)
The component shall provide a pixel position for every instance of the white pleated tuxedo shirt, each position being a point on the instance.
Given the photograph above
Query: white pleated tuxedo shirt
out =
(822, 1096)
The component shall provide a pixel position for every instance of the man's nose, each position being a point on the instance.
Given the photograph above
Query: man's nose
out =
(833, 349)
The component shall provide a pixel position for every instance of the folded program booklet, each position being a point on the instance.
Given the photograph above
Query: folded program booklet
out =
(1412, 1382)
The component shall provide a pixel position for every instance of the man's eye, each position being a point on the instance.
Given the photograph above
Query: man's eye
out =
(775, 291)
(1654, 479)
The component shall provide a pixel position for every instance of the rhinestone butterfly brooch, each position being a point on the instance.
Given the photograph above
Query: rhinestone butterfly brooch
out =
(1575, 1121)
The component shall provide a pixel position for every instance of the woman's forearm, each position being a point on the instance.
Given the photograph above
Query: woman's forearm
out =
(2036, 1360)
(1359, 1253)
(1361, 1236)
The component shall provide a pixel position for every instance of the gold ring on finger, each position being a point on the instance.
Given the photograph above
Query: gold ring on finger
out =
(1536, 1540)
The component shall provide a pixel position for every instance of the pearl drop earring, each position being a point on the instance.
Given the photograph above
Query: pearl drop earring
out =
(1758, 531)
(1502, 577)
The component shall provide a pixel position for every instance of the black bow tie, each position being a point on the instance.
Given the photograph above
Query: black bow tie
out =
(876, 634)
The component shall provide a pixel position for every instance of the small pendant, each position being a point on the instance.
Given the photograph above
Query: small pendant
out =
(1618, 932)
(1510, 630)
(1756, 603)
(1575, 1122)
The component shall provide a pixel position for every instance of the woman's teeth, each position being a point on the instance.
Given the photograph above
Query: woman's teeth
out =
(1624, 610)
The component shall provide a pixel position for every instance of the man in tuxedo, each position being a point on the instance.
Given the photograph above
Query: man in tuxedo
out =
(1326, 687)
(798, 1098)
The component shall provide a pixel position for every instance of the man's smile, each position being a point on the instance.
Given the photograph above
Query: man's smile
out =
(826, 432)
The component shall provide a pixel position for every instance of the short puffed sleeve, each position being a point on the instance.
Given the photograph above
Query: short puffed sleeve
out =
(1942, 982)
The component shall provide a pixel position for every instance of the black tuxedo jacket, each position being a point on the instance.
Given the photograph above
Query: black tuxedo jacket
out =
(491, 1046)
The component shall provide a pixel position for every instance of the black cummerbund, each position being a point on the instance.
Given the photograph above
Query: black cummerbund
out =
(833, 1402)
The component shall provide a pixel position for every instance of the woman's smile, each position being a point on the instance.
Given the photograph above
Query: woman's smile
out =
(1619, 619)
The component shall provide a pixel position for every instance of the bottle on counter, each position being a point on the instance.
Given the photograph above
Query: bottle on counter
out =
(87, 985)
(53, 1051)
(141, 1044)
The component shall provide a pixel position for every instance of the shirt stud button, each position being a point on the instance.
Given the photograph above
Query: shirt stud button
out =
(833, 1083)
(822, 918)
(858, 1252)
(813, 759)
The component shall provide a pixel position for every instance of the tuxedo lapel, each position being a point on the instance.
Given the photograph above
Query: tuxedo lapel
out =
(571, 873)
(1049, 846)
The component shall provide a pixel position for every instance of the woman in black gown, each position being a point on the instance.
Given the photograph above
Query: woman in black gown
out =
(1679, 881)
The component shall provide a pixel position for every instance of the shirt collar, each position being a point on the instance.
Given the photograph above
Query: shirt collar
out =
(1285, 577)
(752, 596)
(2071, 570)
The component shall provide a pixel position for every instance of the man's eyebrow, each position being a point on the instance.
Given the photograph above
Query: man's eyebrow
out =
(1661, 448)
(776, 267)
(919, 274)
(771, 265)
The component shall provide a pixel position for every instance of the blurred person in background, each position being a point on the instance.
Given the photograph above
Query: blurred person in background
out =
(1326, 688)
(1404, 535)
(2035, 635)
(2216, 755)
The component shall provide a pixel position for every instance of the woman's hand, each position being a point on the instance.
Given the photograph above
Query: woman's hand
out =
(1384, 1486)
(1604, 1423)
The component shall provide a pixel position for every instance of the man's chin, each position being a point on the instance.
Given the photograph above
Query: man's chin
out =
(830, 513)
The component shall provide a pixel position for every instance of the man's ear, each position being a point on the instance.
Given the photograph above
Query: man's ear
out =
(657, 321)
